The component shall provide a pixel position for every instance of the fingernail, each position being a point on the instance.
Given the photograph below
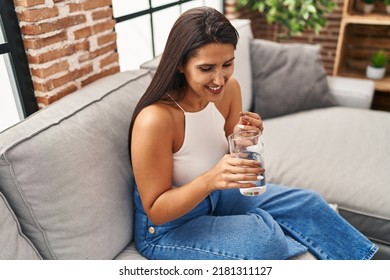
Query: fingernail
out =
(260, 177)
(240, 126)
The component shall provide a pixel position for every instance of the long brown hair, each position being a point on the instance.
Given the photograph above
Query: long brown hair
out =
(195, 28)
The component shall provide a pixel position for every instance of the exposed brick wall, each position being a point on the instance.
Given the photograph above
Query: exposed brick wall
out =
(69, 44)
(327, 38)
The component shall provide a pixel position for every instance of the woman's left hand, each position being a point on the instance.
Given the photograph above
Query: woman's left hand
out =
(249, 121)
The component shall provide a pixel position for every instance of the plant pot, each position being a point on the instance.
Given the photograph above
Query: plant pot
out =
(375, 73)
(367, 8)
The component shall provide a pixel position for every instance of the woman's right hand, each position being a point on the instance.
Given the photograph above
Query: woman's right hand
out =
(231, 172)
(249, 121)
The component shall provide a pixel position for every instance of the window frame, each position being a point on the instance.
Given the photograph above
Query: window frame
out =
(14, 48)
(150, 12)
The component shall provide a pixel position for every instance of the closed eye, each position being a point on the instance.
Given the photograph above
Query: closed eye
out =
(205, 68)
(228, 64)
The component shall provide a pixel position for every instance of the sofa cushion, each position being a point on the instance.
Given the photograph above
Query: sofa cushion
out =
(152, 64)
(130, 253)
(287, 78)
(13, 243)
(66, 173)
(341, 153)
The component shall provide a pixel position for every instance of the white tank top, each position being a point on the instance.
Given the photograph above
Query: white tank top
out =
(204, 144)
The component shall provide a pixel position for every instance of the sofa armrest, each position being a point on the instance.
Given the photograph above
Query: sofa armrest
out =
(351, 92)
(152, 64)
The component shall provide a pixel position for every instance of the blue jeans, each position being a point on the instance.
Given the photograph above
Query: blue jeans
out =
(279, 224)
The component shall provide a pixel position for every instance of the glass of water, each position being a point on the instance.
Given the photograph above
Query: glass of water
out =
(249, 145)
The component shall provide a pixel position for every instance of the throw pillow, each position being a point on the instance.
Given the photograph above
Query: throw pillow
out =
(287, 78)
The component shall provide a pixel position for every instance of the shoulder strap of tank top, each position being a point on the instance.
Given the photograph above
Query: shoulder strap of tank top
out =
(176, 103)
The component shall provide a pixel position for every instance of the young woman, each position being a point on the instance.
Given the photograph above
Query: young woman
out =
(188, 205)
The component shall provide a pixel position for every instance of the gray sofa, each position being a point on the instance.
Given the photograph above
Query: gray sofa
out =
(66, 182)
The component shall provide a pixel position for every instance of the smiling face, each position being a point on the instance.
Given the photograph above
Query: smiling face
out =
(207, 72)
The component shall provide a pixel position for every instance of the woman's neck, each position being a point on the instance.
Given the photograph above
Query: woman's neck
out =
(191, 102)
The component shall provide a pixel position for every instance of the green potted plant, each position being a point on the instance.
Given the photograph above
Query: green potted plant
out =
(295, 15)
(377, 68)
(387, 4)
(368, 6)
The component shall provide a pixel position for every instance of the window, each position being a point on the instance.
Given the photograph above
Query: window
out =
(143, 27)
(17, 99)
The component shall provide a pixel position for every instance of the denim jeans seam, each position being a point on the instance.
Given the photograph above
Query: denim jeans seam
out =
(308, 240)
(144, 241)
(168, 246)
(371, 252)
(149, 243)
